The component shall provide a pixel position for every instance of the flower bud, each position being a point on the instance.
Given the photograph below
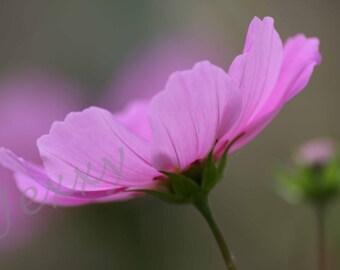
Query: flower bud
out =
(315, 176)
(317, 152)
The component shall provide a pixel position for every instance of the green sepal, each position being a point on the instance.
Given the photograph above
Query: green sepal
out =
(224, 159)
(192, 185)
(210, 173)
(182, 186)
(222, 164)
(166, 196)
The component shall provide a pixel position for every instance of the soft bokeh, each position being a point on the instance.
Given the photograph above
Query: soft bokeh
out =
(91, 41)
(146, 72)
(316, 152)
(29, 102)
(313, 176)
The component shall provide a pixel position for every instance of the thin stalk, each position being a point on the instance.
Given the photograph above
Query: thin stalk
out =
(204, 208)
(321, 236)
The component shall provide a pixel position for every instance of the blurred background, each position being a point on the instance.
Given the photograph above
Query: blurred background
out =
(58, 55)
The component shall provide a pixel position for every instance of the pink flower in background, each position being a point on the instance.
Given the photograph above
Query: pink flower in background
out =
(145, 73)
(316, 152)
(29, 103)
(181, 124)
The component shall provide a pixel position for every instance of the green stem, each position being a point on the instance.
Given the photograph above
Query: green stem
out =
(321, 232)
(204, 208)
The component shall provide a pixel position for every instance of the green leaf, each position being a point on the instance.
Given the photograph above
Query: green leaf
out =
(165, 196)
(210, 174)
(182, 185)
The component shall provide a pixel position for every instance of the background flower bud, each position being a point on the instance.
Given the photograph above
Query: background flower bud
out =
(315, 176)
(316, 152)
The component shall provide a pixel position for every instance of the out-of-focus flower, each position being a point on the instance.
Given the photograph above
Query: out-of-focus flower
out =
(316, 174)
(316, 152)
(145, 73)
(29, 103)
(96, 156)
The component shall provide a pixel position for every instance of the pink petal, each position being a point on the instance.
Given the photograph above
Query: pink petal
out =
(29, 102)
(256, 70)
(95, 146)
(135, 118)
(35, 184)
(37, 193)
(196, 108)
(265, 93)
(20, 166)
(301, 55)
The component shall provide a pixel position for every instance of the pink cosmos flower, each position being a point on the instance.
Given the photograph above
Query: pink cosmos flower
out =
(96, 156)
(29, 103)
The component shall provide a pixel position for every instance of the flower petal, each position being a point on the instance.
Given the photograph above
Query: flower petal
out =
(20, 166)
(135, 118)
(256, 70)
(96, 147)
(301, 55)
(287, 72)
(35, 184)
(196, 108)
(37, 193)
